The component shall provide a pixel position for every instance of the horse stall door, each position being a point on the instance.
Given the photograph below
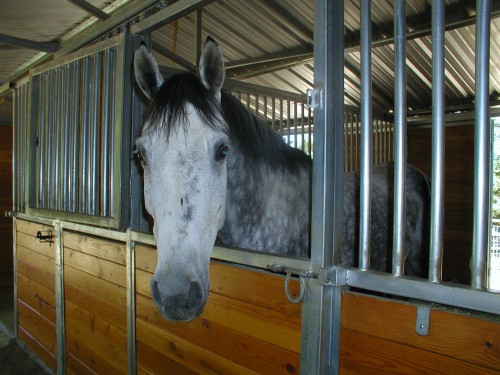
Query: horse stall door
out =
(248, 326)
(95, 303)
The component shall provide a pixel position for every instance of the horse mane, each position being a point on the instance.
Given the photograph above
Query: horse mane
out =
(252, 136)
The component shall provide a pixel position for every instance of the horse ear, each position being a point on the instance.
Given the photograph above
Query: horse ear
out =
(146, 71)
(212, 67)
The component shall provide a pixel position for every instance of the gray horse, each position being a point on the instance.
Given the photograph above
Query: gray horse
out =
(214, 172)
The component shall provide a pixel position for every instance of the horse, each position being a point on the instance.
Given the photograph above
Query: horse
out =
(215, 173)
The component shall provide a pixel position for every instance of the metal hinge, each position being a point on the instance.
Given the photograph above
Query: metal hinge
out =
(314, 99)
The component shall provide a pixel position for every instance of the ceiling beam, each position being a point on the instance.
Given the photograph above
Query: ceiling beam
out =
(30, 44)
(174, 57)
(90, 9)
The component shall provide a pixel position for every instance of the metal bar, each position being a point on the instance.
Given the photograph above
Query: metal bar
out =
(94, 173)
(437, 180)
(482, 170)
(56, 157)
(442, 293)
(73, 177)
(105, 142)
(65, 147)
(366, 141)
(321, 308)
(168, 14)
(59, 292)
(83, 137)
(30, 44)
(399, 138)
(14, 270)
(131, 336)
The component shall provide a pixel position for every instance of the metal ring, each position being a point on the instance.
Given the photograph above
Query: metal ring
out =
(302, 289)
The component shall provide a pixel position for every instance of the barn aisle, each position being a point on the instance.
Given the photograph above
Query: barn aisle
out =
(15, 361)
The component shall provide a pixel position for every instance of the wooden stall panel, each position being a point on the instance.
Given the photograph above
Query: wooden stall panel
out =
(35, 291)
(247, 327)
(95, 305)
(6, 261)
(378, 337)
(458, 199)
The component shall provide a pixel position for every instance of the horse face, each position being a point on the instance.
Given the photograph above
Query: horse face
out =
(185, 178)
(185, 193)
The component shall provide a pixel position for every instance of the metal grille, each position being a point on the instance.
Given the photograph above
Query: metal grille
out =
(75, 125)
(21, 100)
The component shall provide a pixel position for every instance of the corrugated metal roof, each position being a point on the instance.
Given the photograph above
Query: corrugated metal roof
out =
(256, 35)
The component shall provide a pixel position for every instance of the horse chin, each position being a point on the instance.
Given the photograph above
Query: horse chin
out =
(181, 307)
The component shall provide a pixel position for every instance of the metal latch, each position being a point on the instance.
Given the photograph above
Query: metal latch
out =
(423, 320)
(45, 236)
(278, 268)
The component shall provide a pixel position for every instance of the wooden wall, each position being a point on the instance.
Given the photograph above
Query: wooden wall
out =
(35, 292)
(95, 288)
(6, 261)
(248, 326)
(459, 187)
(378, 337)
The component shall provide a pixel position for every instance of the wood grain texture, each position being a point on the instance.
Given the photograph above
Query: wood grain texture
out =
(455, 336)
(41, 299)
(98, 247)
(366, 354)
(46, 356)
(151, 362)
(29, 241)
(41, 276)
(255, 354)
(95, 342)
(40, 328)
(76, 367)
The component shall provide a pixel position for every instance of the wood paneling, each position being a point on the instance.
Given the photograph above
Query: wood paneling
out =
(247, 325)
(6, 259)
(458, 200)
(378, 336)
(95, 304)
(35, 292)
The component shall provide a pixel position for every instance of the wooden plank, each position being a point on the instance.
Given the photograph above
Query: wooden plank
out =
(98, 288)
(29, 241)
(366, 354)
(75, 366)
(101, 268)
(458, 336)
(267, 325)
(40, 328)
(38, 260)
(243, 349)
(98, 247)
(94, 341)
(37, 297)
(100, 308)
(30, 228)
(149, 361)
(47, 357)
(185, 353)
(41, 276)
(267, 290)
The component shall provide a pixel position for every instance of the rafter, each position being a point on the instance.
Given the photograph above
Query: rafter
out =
(90, 9)
(30, 44)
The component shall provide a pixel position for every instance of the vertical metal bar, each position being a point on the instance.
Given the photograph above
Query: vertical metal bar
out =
(56, 157)
(366, 134)
(75, 115)
(83, 144)
(437, 180)
(273, 114)
(302, 127)
(115, 121)
(399, 137)
(346, 150)
(105, 160)
(14, 269)
(67, 93)
(131, 335)
(93, 177)
(288, 123)
(59, 291)
(257, 105)
(351, 141)
(281, 117)
(321, 310)
(295, 126)
(482, 162)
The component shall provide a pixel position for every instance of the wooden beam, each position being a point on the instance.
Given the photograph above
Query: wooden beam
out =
(30, 44)
(90, 9)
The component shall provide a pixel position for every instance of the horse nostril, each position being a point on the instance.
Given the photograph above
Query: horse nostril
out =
(155, 291)
(195, 297)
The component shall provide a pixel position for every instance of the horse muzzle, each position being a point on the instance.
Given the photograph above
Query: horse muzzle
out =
(180, 305)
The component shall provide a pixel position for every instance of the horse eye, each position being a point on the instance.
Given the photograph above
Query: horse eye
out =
(138, 155)
(222, 152)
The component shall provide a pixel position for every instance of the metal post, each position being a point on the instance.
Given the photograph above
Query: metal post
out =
(482, 193)
(59, 291)
(438, 135)
(399, 137)
(321, 310)
(366, 137)
(131, 345)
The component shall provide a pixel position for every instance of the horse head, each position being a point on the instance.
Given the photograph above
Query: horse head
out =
(183, 149)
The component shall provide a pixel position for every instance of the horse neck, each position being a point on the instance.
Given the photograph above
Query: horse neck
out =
(267, 207)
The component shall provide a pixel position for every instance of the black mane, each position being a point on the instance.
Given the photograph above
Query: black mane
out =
(255, 139)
